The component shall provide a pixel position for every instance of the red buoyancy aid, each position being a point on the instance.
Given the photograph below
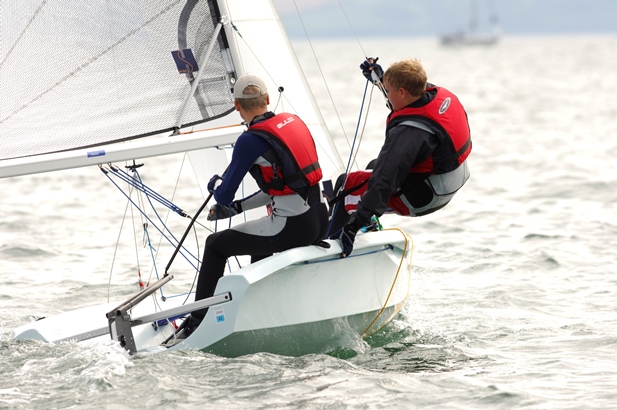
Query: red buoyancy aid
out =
(296, 166)
(445, 116)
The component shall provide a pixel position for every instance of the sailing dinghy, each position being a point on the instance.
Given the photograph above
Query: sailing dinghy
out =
(128, 80)
(473, 37)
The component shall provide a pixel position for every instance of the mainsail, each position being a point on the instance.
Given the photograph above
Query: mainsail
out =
(77, 75)
(81, 74)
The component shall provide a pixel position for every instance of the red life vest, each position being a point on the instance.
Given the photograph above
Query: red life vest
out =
(295, 167)
(445, 117)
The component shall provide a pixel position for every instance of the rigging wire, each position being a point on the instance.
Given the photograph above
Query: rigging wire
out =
(350, 27)
(355, 154)
(364, 54)
(321, 73)
(352, 156)
(113, 259)
(350, 145)
(342, 187)
(106, 171)
(173, 195)
(358, 133)
(353, 151)
(144, 224)
(136, 184)
(333, 161)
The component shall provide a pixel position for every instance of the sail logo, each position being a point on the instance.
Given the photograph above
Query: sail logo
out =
(445, 105)
(282, 124)
(185, 61)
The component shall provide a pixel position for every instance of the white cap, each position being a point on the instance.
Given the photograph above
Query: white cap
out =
(249, 79)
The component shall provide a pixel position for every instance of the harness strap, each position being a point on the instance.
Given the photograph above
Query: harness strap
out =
(278, 183)
(302, 173)
(346, 192)
(464, 147)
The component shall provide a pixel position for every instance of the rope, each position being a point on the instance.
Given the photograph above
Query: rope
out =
(352, 159)
(113, 259)
(400, 306)
(194, 131)
(352, 156)
(323, 78)
(351, 27)
(291, 49)
(173, 195)
(136, 182)
(153, 254)
(150, 220)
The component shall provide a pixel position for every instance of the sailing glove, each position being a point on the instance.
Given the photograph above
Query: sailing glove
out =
(370, 66)
(347, 235)
(215, 181)
(222, 212)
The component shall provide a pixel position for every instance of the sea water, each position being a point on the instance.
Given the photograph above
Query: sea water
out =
(514, 298)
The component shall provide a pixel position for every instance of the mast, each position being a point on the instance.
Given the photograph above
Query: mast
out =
(473, 16)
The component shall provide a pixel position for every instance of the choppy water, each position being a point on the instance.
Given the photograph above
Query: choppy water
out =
(515, 283)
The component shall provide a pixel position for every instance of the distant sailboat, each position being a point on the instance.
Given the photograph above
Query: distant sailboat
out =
(473, 36)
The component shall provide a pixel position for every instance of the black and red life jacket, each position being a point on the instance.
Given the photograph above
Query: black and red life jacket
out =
(445, 117)
(293, 160)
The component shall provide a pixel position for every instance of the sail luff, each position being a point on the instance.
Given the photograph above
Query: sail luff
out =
(261, 47)
(320, 123)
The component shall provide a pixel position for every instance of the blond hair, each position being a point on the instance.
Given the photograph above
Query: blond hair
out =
(407, 74)
(250, 104)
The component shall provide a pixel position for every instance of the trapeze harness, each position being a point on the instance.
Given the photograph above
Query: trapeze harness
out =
(289, 172)
(445, 171)
(291, 166)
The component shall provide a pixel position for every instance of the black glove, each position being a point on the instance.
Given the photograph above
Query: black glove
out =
(368, 66)
(212, 185)
(222, 212)
(347, 235)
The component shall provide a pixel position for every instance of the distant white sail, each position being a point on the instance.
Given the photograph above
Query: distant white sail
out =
(473, 36)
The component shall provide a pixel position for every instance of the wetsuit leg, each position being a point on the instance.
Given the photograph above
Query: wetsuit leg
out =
(300, 230)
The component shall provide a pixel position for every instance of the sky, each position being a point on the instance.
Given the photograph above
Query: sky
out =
(377, 18)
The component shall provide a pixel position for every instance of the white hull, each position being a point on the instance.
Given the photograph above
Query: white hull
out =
(304, 300)
(299, 301)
